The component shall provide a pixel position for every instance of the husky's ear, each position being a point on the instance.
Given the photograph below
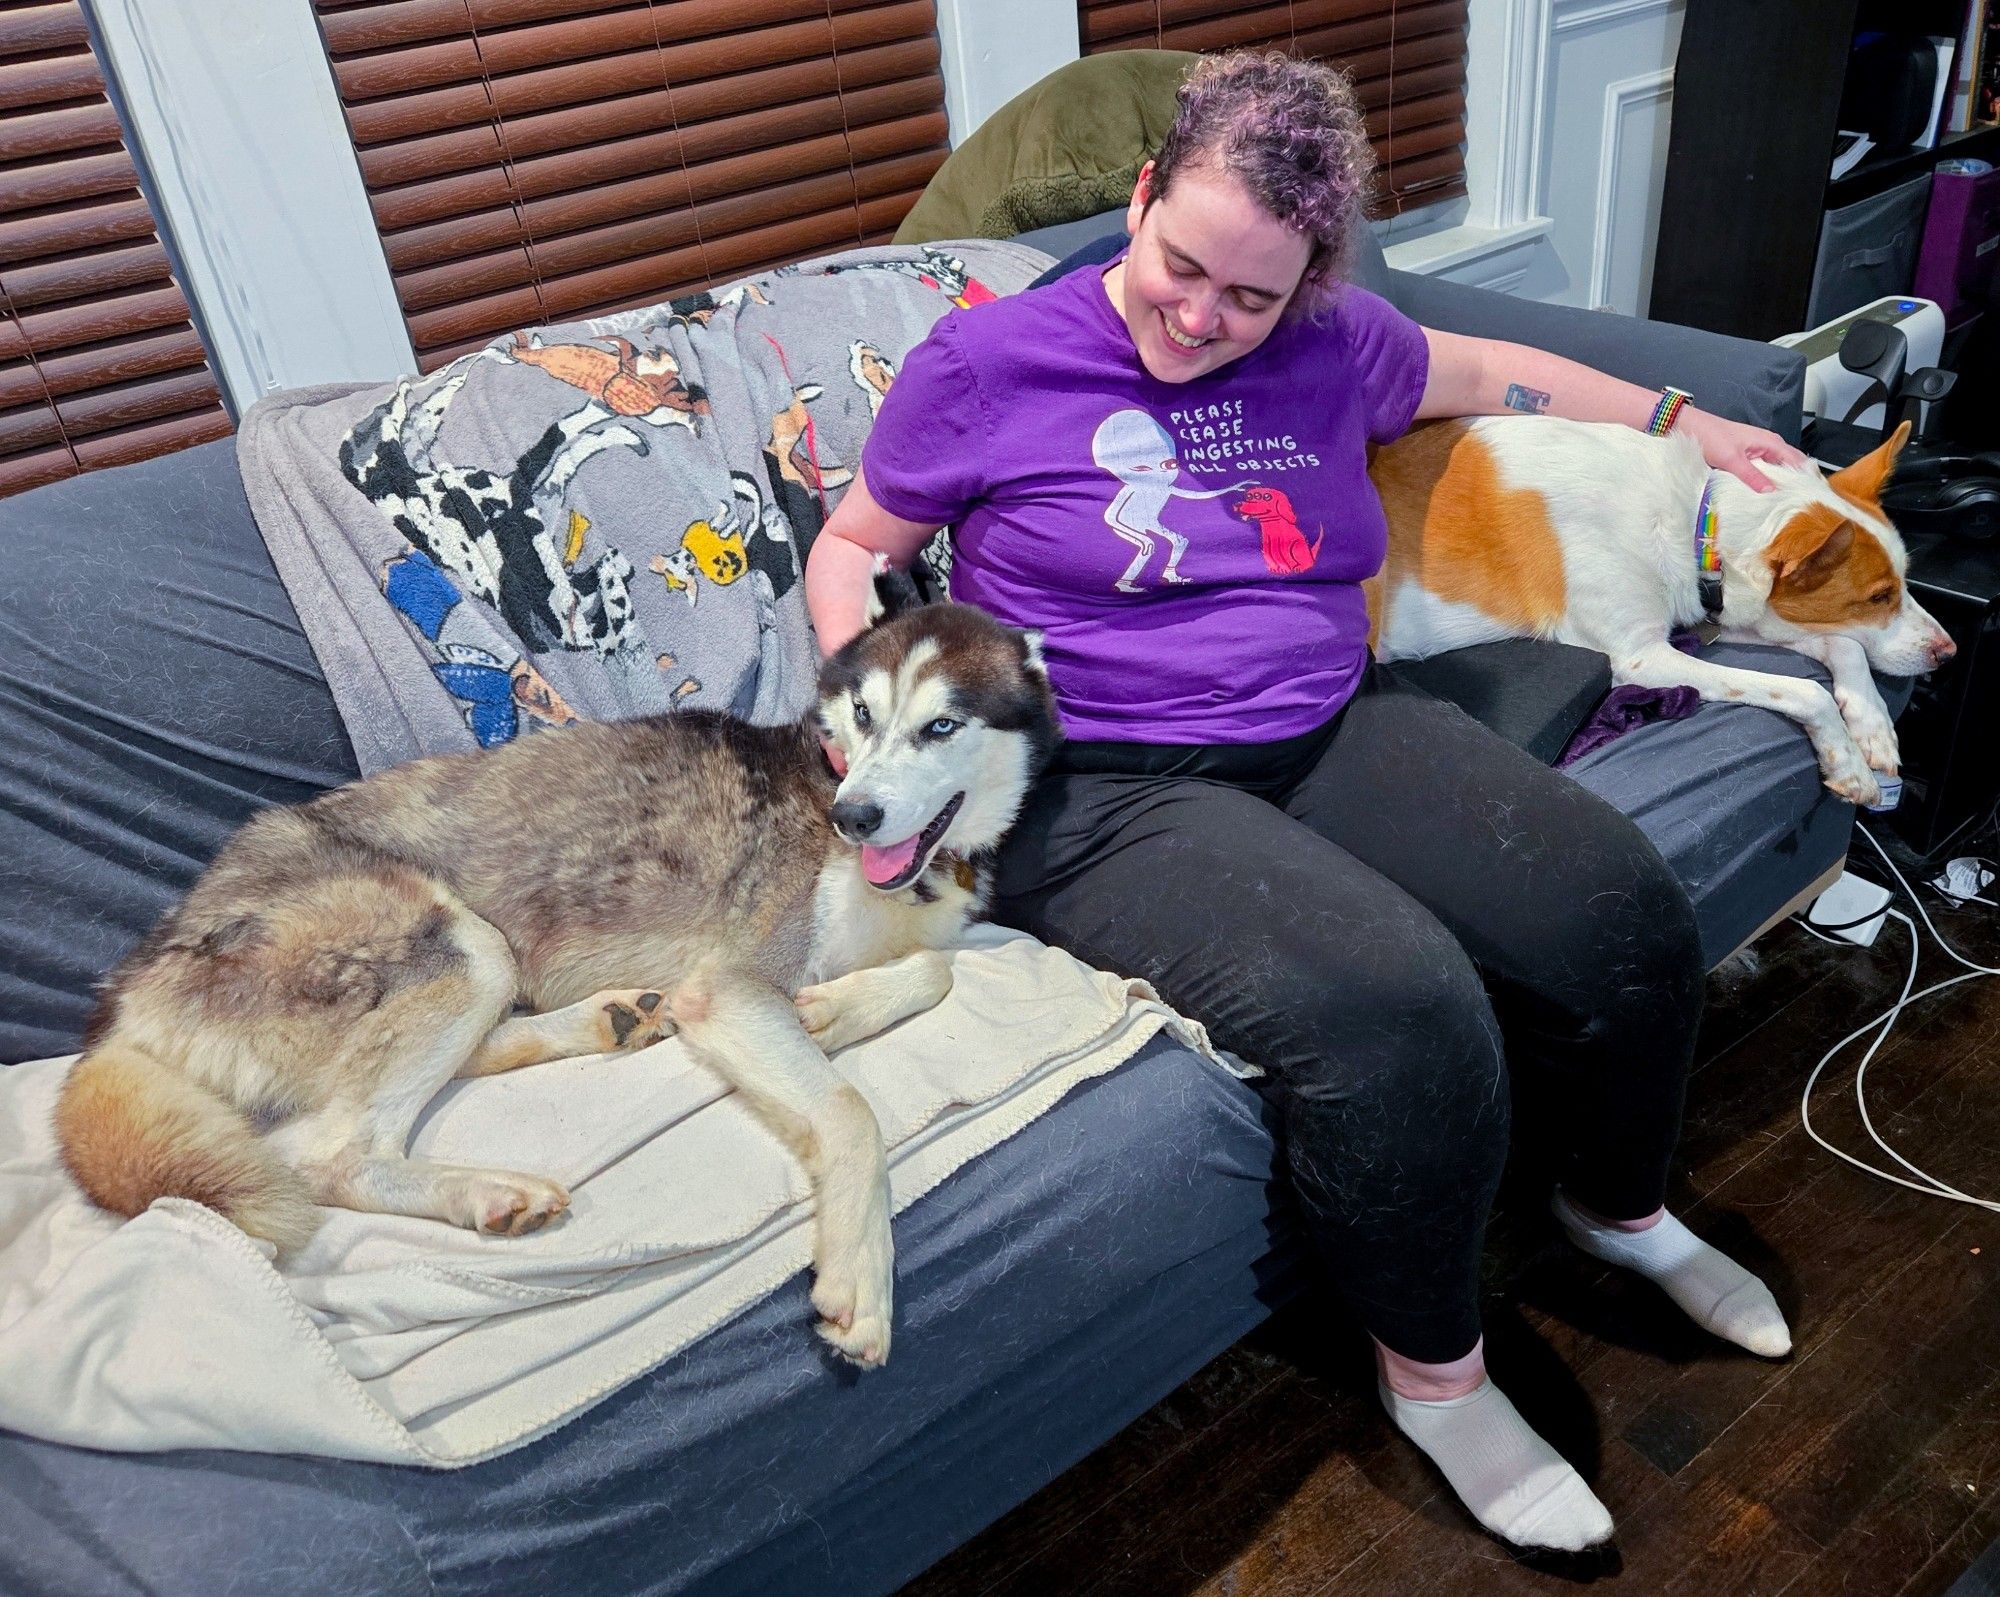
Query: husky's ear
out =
(1031, 654)
(890, 593)
(1863, 480)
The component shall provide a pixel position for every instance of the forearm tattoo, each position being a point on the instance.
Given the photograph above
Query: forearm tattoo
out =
(1532, 400)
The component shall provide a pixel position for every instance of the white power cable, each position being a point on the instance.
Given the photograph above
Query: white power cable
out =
(1984, 970)
(1886, 1021)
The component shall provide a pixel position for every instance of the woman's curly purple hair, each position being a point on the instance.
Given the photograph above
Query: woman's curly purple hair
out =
(1290, 131)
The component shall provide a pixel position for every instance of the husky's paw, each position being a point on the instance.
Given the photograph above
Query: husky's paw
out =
(817, 1013)
(854, 1295)
(503, 1204)
(631, 1020)
(833, 1020)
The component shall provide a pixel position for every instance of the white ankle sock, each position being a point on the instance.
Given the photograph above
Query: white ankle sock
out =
(1515, 1484)
(1712, 1289)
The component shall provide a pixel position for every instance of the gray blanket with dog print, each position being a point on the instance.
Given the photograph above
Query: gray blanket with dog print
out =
(601, 519)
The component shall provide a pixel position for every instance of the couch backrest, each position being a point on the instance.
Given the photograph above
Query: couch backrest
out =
(1370, 270)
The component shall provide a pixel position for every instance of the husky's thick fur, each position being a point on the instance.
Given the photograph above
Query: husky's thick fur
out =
(1526, 526)
(269, 1046)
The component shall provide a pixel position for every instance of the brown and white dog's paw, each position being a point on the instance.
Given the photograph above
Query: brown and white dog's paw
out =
(1846, 771)
(632, 1019)
(854, 1295)
(1875, 737)
(502, 1203)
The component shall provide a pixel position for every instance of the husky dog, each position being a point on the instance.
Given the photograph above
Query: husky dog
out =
(270, 1045)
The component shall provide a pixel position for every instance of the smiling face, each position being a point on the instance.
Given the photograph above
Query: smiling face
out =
(1209, 275)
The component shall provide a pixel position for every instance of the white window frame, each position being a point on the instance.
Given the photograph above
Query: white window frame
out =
(990, 50)
(1507, 54)
(233, 109)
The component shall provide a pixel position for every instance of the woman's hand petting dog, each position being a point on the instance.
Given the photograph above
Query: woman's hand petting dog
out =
(1736, 447)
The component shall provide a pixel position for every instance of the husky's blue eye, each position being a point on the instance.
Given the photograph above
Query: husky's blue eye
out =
(862, 718)
(943, 727)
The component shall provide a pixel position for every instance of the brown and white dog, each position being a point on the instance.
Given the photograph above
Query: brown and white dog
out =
(1529, 526)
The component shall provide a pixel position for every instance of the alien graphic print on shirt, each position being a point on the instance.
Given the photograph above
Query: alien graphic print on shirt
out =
(1193, 553)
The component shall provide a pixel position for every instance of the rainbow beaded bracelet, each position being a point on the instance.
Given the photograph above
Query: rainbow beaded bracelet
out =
(1668, 410)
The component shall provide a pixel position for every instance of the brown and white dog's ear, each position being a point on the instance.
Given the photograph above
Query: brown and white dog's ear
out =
(890, 593)
(1863, 480)
(1809, 548)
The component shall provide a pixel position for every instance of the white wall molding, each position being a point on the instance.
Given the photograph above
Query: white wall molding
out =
(1603, 147)
(990, 50)
(1562, 200)
(233, 108)
(1620, 100)
(1484, 257)
(1574, 14)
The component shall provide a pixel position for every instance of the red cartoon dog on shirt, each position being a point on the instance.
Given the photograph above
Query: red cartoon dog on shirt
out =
(1286, 552)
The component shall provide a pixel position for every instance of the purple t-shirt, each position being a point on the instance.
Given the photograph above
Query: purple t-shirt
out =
(1192, 552)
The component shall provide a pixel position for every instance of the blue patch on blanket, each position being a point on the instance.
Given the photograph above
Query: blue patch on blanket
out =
(420, 591)
(488, 695)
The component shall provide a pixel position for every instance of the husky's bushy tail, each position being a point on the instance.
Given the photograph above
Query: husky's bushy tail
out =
(133, 1129)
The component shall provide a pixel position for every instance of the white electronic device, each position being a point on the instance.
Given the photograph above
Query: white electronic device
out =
(1831, 389)
(1853, 908)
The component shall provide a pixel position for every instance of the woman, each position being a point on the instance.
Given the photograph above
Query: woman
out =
(1350, 883)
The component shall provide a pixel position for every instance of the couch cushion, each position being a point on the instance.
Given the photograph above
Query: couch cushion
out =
(1105, 231)
(1069, 147)
(1101, 237)
(1069, 239)
(156, 691)
(1535, 695)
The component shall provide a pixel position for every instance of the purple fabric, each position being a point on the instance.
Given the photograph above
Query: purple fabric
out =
(1032, 427)
(1622, 709)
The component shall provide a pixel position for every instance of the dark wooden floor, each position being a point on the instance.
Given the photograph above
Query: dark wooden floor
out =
(1868, 1463)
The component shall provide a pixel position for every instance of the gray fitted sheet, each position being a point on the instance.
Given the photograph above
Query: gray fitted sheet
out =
(1048, 1294)
(1732, 799)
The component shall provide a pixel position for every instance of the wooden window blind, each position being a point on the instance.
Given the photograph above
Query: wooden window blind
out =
(534, 161)
(99, 362)
(1407, 59)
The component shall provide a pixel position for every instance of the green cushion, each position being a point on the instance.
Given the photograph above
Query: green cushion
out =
(1069, 147)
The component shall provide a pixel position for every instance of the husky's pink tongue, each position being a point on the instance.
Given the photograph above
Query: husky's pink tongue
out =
(883, 865)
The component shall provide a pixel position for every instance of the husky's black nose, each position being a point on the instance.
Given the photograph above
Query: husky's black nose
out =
(857, 821)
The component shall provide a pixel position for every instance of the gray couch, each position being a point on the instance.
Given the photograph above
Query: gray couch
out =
(1048, 1294)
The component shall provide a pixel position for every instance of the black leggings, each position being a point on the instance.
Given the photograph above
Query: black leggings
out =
(1373, 913)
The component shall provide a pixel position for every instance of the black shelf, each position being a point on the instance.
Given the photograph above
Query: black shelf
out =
(1756, 106)
(1757, 92)
(1879, 172)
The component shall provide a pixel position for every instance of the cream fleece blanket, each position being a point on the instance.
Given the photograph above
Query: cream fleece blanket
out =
(407, 1341)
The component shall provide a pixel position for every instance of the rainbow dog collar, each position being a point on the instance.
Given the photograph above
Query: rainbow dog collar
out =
(1708, 553)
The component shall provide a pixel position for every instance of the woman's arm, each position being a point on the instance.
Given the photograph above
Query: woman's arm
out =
(1484, 377)
(842, 561)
